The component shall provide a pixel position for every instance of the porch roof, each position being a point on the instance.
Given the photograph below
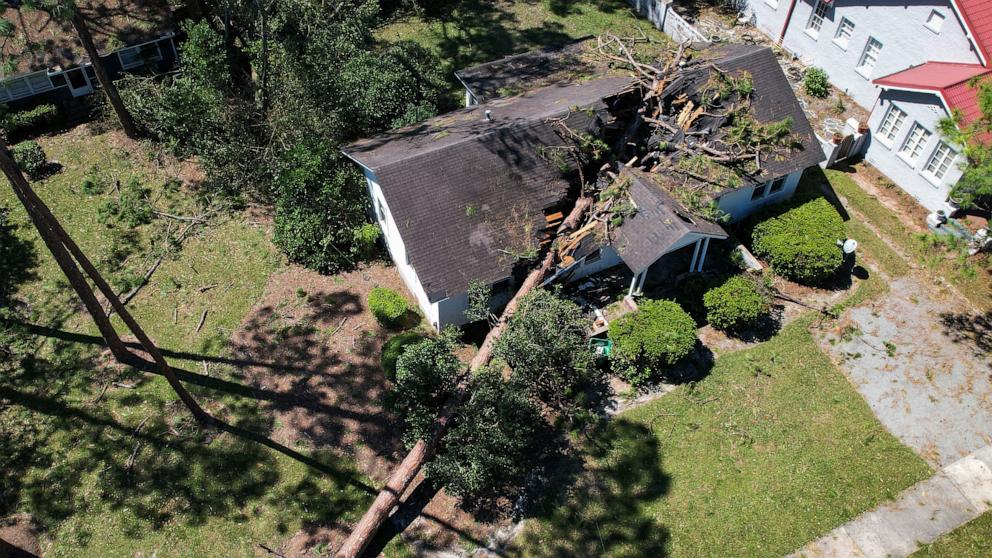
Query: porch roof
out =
(660, 225)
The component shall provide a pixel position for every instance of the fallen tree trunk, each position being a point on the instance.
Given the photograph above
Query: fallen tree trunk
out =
(404, 475)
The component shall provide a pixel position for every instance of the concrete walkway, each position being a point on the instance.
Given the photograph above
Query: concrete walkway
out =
(955, 495)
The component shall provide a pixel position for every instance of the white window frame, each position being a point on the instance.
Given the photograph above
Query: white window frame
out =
(911, 144)
(816, 17)
(894, 127)
(939, 19)
(137, 50)
(949, 155)
(865, 56)
(840, 40)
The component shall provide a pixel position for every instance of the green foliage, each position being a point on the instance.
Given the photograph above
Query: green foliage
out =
(320, 219)
(426, 374)
(24, 121)
(388, 306)
(131, 208)
(650, 340)
(393, 348)
(95, 182)
(365, 241)
(801, 244)
(545, 345)
(479, 295)
(498, 439)
(738, 303)
(974, 188)
(815, 83)
(31, 159)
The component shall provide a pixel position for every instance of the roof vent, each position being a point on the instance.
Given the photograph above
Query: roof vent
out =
(489, 115)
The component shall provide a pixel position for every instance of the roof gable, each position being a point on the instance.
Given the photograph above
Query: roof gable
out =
(977, 17)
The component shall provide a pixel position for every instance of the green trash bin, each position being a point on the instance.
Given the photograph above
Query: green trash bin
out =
(601, 347)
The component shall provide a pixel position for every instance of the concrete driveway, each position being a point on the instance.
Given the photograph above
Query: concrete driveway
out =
(929, 382)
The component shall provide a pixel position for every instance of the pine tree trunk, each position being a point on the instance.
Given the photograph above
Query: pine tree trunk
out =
(59, 242)
(403, 476)
(83, 32)
(63, 259)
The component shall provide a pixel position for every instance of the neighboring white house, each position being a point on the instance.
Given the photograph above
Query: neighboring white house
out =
(462, 196)
(856, 41)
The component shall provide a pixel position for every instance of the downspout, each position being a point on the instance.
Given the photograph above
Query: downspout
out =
(788, 18)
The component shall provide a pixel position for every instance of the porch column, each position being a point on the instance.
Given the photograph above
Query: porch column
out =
(637, 283)
(695, 255)
(702, 255)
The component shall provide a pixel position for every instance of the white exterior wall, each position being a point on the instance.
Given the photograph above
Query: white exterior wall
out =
(927, 109)
(738, 204)
(397, 250)
(900, 25)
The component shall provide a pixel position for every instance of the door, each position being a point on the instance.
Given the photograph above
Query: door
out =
(79, 82)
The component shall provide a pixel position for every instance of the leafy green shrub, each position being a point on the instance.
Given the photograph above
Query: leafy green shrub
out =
(393, 348)
(31, 159)
(498, 440)
(95, 182)
(365, 240)
(738, 303)
(320, 219)
(24, 121)
(131, 208)
(815, 83)
(801, 243)
(545, 345)
(655, 337)
(387, 305)
(426, 373)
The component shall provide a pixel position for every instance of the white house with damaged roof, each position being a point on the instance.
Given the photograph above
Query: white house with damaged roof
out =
(472, 195)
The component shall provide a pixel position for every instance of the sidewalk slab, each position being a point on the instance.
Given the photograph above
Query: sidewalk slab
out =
(835, 543)
(878, 538)
(974, 479)
(927, 510)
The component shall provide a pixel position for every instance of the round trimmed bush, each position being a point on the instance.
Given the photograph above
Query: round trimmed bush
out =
(387, 305)
(655, 337)
(392, 349)
(736, 304)
(31, 159)
(801, 244)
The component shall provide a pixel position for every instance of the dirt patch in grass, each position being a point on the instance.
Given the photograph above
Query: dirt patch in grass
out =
(312, 343)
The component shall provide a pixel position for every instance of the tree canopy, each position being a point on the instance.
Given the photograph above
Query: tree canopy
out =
(974, 188)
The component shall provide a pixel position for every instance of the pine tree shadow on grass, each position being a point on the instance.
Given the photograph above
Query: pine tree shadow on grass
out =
(597, 508)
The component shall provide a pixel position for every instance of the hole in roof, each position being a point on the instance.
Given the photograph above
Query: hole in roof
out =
(685, 218)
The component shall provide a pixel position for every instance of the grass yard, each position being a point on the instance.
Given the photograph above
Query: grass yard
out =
(769, 451)
(971, 540)
(971, 279)
(106, 459)
(483, 31)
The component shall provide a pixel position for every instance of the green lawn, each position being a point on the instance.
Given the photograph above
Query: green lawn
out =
(125, 473)
(769, 451)
(971, 540)
(970, 279)
(483, 31)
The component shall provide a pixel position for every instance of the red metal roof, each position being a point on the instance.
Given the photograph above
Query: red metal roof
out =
(977, 16)
(948, 79)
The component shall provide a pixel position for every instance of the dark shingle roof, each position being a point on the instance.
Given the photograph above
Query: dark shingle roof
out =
(659, 223)
(463, 191)
(773, 100)
(523, 71)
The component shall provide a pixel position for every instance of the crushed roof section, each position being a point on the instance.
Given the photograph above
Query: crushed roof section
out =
(659, 223)
(467, 194)
(528, 70)
(39, 42)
